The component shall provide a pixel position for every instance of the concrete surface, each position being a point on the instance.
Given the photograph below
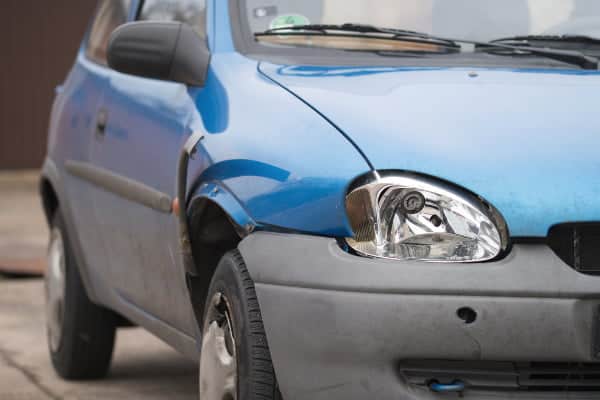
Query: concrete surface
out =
(23, 231)
(143, 367)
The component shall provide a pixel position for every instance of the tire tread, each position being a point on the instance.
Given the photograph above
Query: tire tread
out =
(262, 374)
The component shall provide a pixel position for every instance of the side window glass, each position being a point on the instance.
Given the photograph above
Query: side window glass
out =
(191, 12)
(109, 15)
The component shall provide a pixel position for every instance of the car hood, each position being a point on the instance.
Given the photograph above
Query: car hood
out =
(527, 141)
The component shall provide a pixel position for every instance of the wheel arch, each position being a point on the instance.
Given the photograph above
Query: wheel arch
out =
(49, 198)
(217, 223)
(51, 189)
(48, 188)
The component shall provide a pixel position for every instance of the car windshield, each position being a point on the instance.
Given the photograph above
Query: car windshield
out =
(477, 20)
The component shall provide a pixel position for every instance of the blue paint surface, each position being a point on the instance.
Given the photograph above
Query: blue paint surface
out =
(285, 141)
(287, 166)
(525, 140)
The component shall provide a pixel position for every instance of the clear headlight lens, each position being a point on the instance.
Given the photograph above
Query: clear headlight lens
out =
(412, 217)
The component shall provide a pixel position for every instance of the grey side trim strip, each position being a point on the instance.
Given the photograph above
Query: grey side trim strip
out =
(121, 186)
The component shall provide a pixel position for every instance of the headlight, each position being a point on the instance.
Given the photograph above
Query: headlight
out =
(413, 217)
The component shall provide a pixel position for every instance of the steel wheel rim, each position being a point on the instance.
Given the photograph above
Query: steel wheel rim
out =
(218, 361)
(55, 289)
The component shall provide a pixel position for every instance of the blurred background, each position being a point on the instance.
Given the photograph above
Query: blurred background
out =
(40, 40)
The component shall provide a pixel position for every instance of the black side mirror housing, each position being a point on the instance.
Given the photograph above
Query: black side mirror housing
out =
(170, 51)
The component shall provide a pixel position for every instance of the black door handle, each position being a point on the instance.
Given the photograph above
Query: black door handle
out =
(101, 121)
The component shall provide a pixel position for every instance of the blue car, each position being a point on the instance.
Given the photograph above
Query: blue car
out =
(333, 199)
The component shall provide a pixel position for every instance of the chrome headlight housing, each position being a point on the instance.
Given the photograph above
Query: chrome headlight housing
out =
(406, 216)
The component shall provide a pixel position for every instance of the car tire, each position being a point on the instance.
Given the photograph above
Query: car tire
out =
(81, 334)
(235, 361)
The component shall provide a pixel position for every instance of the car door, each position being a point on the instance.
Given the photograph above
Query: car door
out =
(138, 149)
(80, 102)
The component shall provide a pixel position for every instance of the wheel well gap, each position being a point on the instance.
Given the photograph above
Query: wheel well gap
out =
(49, 199)
(212, 233)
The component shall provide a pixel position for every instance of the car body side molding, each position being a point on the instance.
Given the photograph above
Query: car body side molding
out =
(121, 186)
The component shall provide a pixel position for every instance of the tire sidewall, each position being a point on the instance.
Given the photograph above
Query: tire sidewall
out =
(228, 281)
(59, 357)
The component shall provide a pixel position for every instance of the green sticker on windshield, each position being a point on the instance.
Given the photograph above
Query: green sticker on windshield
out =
(286, 20)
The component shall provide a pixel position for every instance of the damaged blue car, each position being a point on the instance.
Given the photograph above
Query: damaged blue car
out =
(333, 199)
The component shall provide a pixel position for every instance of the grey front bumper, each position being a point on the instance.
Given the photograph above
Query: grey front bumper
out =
(339, 325)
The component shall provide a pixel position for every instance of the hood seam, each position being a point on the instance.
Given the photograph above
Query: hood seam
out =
(336, 127)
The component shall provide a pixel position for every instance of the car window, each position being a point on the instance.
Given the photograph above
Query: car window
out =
(109, 15)
(480, 20)
(191, 12)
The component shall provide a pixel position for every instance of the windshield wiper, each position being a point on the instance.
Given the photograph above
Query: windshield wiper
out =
(573, 57)
(325, 29)
(526, 40)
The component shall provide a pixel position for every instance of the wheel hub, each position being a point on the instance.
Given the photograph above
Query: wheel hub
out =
(55, 289)
(218, 361)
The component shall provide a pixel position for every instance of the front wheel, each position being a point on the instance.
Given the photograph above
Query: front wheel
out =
(235, 362)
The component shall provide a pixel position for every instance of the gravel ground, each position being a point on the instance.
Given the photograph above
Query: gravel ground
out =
(143, 367)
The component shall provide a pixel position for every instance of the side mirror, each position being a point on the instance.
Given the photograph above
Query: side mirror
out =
(170, 51)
